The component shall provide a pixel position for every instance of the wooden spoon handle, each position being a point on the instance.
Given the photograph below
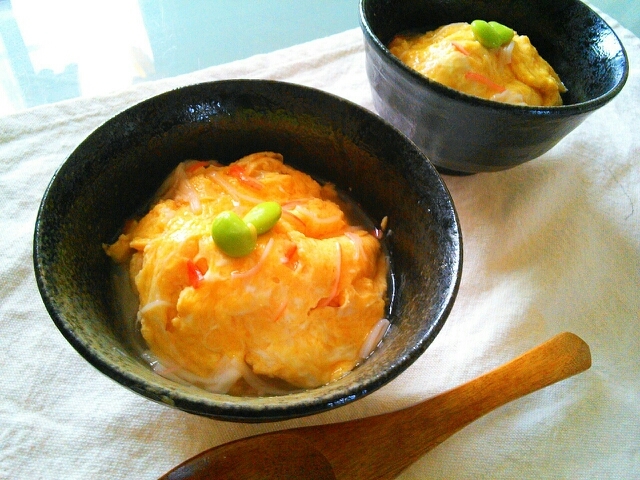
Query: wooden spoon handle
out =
(382, 446)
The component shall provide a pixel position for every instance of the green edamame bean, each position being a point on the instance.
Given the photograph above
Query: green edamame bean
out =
(491, 34)
(263, 216)
(505, 34)
(485, 34)
(232, 235)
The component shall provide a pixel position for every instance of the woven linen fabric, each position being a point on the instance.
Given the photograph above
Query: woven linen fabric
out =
(549, 246)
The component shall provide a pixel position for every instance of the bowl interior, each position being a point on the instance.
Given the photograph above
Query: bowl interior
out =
(112, 175)
(579, 45)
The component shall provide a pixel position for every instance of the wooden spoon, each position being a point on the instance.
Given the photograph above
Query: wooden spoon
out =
(381, 447)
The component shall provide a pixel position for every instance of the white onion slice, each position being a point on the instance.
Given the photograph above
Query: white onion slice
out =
(357, 243)
(253, 270)
(334, 288)
(506, 52)
(260, 386)
(320, 220)
(234, 192)
(155, 304)
(374, 337)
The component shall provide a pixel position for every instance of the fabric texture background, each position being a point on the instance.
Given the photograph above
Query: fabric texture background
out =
(549, 246)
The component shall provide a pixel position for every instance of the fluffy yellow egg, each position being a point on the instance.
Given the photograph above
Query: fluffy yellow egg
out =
(302, 309)
(513, 73)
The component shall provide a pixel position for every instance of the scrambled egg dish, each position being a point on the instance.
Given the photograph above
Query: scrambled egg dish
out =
(302, 309)
(513, 73)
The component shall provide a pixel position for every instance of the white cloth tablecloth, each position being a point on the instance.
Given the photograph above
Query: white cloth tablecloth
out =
(550, 246)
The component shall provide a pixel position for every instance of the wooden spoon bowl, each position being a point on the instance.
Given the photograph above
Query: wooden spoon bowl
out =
(382, 446)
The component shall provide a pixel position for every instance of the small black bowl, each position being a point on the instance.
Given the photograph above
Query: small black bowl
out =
(112, 175)
(464, 134)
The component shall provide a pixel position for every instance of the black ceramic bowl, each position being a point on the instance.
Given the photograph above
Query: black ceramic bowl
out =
(114, 172)
(464, 134)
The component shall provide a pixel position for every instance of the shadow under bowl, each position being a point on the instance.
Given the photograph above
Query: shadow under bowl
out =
(112, 175)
